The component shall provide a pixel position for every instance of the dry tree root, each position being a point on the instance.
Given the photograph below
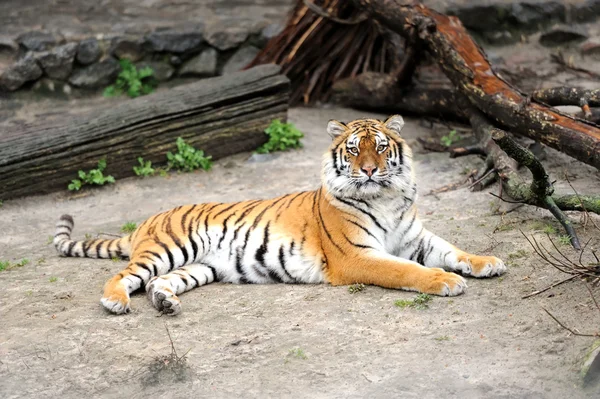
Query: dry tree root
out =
(569, 96)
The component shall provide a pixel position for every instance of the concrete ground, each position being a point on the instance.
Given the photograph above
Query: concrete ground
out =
(291, 340)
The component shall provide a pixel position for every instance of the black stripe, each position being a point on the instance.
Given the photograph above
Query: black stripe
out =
(86, 246)
(262, 249)
(169, 254)
(98, 248)
(138, 276)
(61, 234)
(182, 248)
(364, 229)
(58, 226)
(292, 246)
(206, 230)
(143, 266)
(282, 262)
(195, 279)
(224, 210)
(274, 276)
(238, 267)
(213, 271)
(225, 229)
(185, 280)
(71, 245)
(325, 227)
(369, 214)
(355, 244)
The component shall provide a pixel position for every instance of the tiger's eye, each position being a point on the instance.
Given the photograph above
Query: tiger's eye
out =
(381, 148)
(353, 150)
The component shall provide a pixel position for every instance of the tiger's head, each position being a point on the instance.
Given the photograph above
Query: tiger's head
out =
(368, 159)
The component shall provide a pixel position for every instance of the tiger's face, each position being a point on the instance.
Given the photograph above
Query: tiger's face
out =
(368, 159)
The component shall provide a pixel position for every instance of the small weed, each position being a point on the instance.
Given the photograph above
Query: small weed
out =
(504, 227)
(297, 353)
(442, 338)
(419, 302)
(29, 292)
(451, 138)
(354, 288)
(145, 168)
(41, 261)
(564, 239)
(500, 279)
(549, 229)
(93, 177)
(187, 158)
(132, 81)
(282, 137)
(49, 240)
(162, 172)
(53, 279)
(1, 203)
(6, 265)
(115, 259)
(88, 236)
(129, 227)
(521, 253)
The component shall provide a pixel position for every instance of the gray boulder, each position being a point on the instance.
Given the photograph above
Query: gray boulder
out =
(240, 59)
(98, 75)
(226, 38)
(58, 62)
(174, 41)
(204, 64)
(125, 48)
(161, 70)
(37, 40)
(22, 71)
(89, 51)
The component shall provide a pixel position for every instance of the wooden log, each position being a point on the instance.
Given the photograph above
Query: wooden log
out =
(222, 116)
(469, 70)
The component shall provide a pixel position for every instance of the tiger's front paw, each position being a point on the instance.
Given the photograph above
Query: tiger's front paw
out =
(481, 266)
(443, 283)
(116, 299)
(162, 297)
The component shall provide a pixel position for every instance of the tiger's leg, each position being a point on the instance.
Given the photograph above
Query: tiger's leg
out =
(433, 251)
(162, 291)
(379, 268)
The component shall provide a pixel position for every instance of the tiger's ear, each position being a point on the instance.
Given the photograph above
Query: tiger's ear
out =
(335, 128)
(395, 123)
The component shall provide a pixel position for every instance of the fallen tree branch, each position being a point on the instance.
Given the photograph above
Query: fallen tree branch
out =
(567, 328)
(569, 96)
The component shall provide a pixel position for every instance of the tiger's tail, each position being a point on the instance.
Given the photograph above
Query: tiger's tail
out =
(94, 248)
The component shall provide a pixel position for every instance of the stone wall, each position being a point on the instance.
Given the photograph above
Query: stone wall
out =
(92, 62)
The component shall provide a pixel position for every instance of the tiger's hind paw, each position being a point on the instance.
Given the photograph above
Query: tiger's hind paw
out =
(444, 283)
(164, 299)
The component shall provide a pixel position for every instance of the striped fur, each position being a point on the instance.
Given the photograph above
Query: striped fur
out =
(361, 226)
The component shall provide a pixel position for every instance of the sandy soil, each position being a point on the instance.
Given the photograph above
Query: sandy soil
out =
(290, 340)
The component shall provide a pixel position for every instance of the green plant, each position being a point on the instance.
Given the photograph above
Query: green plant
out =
(129, 227)
(1, 203)
(53, 279)
(6, 265)
(187, 158)
(145, 168)
(419, 302)
(282, 137)
(132, 81)
(548, 229)
(297, 353)
(49, 240)
(451, 138)
(354, 288)
(88, 236)
(521, 253)
(564, 239)
(442, 338)
(93, 177)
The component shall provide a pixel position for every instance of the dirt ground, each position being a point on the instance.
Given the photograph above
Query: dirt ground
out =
(291, 340)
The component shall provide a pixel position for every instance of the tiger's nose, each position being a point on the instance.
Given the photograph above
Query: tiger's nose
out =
(369, 169)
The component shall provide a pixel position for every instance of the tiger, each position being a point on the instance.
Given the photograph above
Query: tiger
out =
(359, 227)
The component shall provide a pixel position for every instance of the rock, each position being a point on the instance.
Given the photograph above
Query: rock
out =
(225, 38)
(586, 11)
(173, 41)
(89, 51)
(590, 370)
(501, 37)
(124, 48)
(8, 48)
(561, 35)
(175, 60)
(204, 64)
(162, 71)
(240, 59)
(271, 30)
(24, 70)
(58, 62)
(97, 75)
(591, 48)
(478, 17)
(37, 41)
(528, 16)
